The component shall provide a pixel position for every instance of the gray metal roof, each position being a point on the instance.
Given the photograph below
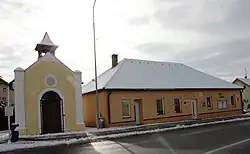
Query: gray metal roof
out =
(143, 74)
(244, 80)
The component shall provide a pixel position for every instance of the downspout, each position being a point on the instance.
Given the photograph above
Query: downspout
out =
(242, 102)
(108, 100)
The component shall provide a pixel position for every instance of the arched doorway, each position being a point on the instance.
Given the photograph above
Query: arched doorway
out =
(3, 120)
(51, 113)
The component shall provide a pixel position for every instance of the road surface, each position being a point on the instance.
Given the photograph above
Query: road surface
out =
(232, 138)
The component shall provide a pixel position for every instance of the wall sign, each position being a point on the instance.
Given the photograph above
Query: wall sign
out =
(50, 80)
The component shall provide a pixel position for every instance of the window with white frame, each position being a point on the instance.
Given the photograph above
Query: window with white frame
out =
(125, 108)
(233, 101)
(222, 104)
(177, 105)
(209, 102)
(160, 106)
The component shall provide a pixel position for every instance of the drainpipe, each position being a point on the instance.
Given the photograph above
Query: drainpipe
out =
(108, 100)
(242, 102)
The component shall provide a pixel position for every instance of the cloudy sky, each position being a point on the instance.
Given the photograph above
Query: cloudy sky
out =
(209, 35)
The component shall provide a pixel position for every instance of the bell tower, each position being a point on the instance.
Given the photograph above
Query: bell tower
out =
(45, 46)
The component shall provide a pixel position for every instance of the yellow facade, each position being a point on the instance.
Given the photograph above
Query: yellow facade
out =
(148, 105)
(48, 94)
(34, 84)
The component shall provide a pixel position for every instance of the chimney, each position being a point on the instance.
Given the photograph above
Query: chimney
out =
(114, 60)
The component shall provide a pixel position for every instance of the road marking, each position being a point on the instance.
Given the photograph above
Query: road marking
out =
(165, 143)
(141, 142)
(199, 132)
(227, 146)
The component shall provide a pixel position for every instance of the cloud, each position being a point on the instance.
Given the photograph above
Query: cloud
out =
(139, 20)
(198, 33)
(16, 8)
(224, 17)
(223, 60)
(212, 36)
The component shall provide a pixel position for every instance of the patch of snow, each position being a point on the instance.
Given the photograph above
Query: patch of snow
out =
(88, 130)
(38, 144)
(93, 130)
(4, 136)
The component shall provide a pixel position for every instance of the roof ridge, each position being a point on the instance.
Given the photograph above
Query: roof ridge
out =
(119, 66)
(97, 77)
(104, 74)
(154, 61)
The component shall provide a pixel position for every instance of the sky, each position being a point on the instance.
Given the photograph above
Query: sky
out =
(210, 35)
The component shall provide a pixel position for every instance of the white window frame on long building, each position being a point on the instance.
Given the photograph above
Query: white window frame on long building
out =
(126, 102)
(160, 103)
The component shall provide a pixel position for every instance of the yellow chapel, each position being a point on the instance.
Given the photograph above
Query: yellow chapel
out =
(48, 94)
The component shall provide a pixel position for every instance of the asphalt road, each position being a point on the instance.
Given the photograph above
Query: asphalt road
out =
(232, 138)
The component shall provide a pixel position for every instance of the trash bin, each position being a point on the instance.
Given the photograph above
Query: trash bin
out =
(14, 136)
(102, 123)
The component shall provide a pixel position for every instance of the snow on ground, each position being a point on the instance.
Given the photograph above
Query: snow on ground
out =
(39, 144)
(4, 136)
(89, 130)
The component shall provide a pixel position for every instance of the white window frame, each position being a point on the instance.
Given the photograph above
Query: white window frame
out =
(234, 100)
(221, 104)
(163, 105)
(211, 103)
(180, 101)
(129, 107)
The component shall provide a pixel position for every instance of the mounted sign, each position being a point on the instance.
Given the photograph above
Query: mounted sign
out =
(8, 110)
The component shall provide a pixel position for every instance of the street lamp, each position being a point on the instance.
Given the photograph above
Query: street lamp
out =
(96, 86)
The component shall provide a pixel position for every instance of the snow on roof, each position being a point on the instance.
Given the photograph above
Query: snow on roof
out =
(244, 80)
(144, 74)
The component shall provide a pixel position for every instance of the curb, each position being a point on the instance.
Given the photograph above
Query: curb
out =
(166, 125)
(81, 141)
(128, 129)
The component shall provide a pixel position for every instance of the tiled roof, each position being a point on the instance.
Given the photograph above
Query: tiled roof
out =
(143, 74)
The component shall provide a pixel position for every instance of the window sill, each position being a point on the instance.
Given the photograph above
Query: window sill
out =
(223, 109)
(126, 117)
(159, 114)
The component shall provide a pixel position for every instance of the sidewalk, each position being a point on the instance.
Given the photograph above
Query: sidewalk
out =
(117, 130)
(112, 133)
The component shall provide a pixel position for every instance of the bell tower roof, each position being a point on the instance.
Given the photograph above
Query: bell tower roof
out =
(46, 45)
(46, 40)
